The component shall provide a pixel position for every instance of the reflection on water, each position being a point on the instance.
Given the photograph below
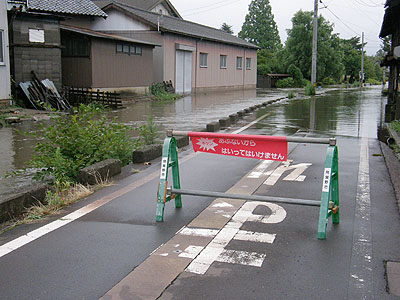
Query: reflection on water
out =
(342, 112)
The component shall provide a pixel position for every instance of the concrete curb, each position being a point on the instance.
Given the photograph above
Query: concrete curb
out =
(100, 171)
(13, 206)
(393, 166)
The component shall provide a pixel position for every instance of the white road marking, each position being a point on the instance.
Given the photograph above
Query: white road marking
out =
(295, 175)
(251, 236)
(251, 124)
(199, 232)
(241, 258)
(191, 251)
(361, 283)
(222, 204)
(260, 169)
(215, 250)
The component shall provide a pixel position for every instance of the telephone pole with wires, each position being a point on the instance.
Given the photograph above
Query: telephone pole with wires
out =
(314, 45)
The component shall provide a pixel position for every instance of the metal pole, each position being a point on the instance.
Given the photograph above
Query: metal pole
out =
(314, 45)
(362, 61)
(330, 141)
(244, 197)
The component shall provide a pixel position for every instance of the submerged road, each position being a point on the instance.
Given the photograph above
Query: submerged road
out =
(109, 246)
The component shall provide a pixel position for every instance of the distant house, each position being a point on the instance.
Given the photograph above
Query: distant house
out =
(35, 42)
(193, 56)
(104, 61)
(162, 7)
(4, 57)
(391, 26)
(269, 81)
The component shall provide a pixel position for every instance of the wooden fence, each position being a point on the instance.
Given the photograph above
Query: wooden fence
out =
(84, 95)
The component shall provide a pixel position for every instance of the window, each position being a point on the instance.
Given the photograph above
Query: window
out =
(222, 61)
(1, 47)
(248, 63)
(129, 49)
(203, 60)
(239, 61)
(75, 46)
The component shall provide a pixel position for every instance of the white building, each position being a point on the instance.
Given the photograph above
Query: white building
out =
(5, 89)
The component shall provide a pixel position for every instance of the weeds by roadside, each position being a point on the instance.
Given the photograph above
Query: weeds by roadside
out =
(53, 204)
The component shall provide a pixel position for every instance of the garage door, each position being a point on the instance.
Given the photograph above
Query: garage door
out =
(183, 72)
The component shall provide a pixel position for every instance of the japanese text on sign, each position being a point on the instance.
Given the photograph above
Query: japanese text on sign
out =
(248, 146)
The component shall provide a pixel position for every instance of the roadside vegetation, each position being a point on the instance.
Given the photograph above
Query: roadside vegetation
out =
(72, 142)
(158, 90)
(396, 126)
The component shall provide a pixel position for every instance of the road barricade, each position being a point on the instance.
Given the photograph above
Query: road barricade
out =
(249, 146)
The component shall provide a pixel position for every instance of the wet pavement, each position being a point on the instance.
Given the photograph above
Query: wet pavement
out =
(104, 239)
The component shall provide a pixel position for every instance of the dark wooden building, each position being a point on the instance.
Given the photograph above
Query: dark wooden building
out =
(270, 80)
(391, 26)
(105, 61)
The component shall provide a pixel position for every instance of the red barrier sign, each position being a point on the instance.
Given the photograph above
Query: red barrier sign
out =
(240, 145)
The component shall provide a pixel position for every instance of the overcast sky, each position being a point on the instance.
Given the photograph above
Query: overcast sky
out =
(350, 17)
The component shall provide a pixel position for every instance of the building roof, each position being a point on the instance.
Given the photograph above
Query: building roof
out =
(182, 27)
(71, 7)
(391, 18)
(142, 4)
(102, 35)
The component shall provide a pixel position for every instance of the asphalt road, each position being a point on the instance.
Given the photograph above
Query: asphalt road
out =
(116, 250)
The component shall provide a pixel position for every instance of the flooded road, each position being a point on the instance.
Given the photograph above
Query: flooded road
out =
(336, 112)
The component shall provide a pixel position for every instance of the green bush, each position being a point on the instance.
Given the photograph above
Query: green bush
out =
(396, 126)
(285, 83)
(291, 95)
(149, 132)
(296, 75)
(373, 81)
(76, 141)
(158, 90)
(310, 90)
(328, 81)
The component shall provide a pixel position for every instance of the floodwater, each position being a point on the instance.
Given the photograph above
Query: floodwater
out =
(346, 112)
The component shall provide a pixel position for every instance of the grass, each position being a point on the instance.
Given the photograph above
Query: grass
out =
(54, 202)
(396, 126)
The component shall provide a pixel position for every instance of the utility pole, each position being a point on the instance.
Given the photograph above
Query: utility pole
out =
(362, 61)
(314, 45)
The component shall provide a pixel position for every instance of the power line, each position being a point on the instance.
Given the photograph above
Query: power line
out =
(205, 6)
(200, 12)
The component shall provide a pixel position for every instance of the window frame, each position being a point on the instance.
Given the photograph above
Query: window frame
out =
(248, 63)
(203, 64)
(2, 48)
(239, 67)
(222, 61)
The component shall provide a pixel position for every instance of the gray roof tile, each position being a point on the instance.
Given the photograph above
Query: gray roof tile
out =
(74, 7)
(179, 26)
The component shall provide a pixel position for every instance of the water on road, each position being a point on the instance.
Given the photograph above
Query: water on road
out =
(332, 113)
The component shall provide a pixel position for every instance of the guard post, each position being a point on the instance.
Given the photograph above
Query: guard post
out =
(238, 145)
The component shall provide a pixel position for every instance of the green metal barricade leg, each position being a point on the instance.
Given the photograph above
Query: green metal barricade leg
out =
(169, 159)
(330, 192)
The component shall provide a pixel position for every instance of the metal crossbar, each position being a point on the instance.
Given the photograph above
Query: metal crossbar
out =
(291, 139)
(172, 191)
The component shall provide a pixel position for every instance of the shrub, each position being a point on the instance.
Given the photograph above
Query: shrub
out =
(396, 126)
(310, 90)
(296, 75)
(158, 90)
(291, 95)
(285, 83)
(373, 81)
(76, 141)
(149, 131)
(328, 81)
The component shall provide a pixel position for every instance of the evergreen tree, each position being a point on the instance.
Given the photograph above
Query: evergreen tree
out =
(227, 28)
(259, 26)
(299, 47)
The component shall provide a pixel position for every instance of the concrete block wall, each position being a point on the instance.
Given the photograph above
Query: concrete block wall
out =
(43, 58)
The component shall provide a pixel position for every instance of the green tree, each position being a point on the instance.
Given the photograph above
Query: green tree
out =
(296, 75)
(269, 62)
(352, 57)
(227, 28)
(299, 47)
(259, 26)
